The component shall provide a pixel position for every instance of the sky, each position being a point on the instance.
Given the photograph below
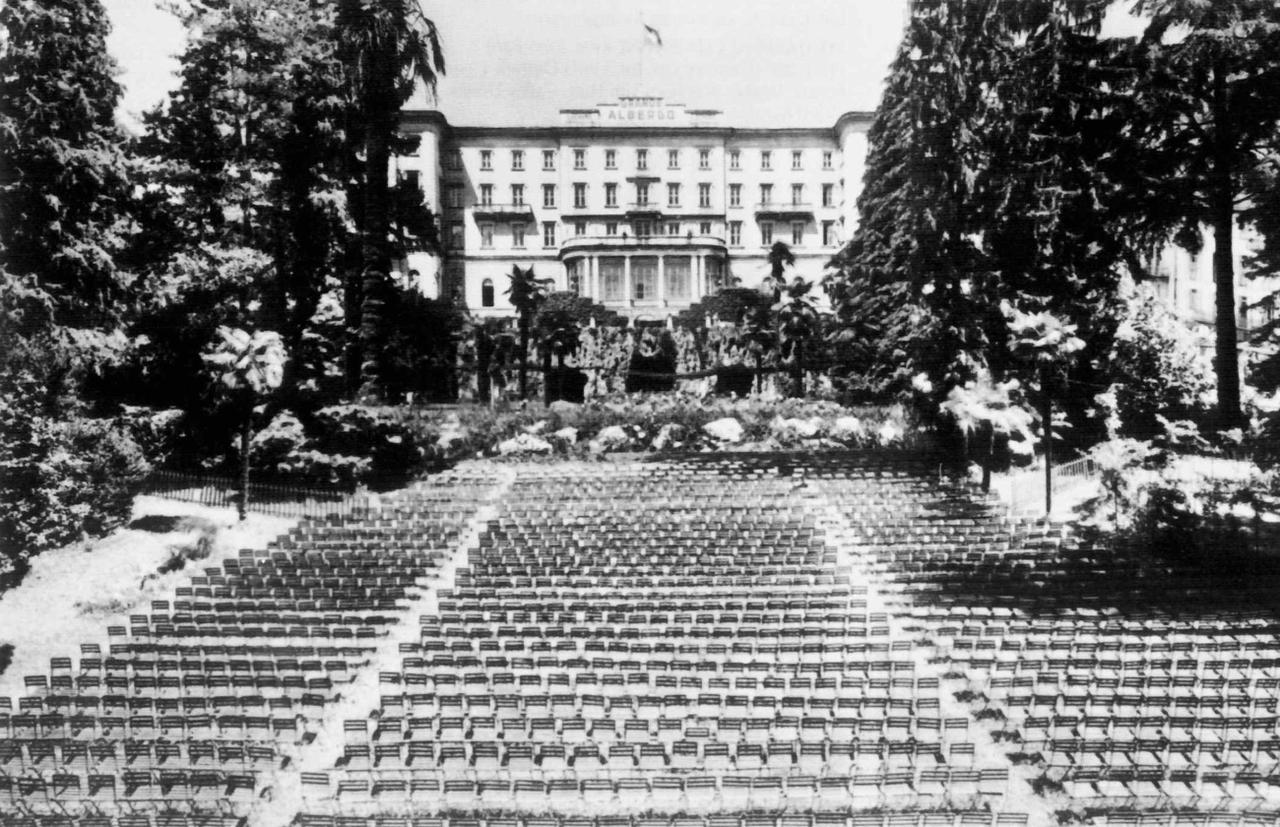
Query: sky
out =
(518, 62)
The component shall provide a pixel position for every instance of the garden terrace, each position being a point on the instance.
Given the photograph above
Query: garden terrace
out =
(717, 640)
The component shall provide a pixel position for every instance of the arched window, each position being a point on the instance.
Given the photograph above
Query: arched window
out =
(486, 293)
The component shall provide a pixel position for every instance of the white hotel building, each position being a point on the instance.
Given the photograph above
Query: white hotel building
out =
(642, 205)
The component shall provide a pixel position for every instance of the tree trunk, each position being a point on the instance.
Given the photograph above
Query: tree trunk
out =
(246, 432)
(989, 459)
(382, 111)
(1046, 418)
(524, 359)
(1227, 357)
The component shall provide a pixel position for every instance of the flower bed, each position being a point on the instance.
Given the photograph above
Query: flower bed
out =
(666, 423)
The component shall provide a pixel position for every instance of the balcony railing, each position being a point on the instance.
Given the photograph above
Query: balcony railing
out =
(647, 242)
(500, 211)
(778, 210)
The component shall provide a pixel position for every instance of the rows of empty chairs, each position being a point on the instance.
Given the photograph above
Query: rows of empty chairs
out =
(683, 643)
(1124, 681)
(659, 638)
(193, 706)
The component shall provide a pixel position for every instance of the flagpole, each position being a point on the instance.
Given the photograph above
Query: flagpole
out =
(644, 48)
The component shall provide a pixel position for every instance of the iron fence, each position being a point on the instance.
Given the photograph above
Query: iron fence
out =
(275, 499)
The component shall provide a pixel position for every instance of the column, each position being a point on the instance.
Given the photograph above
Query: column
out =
(699, 278)
(627, 293)
(662, 281)
(589, 283)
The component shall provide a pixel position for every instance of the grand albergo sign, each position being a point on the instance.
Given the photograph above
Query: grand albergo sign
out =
(639, 111)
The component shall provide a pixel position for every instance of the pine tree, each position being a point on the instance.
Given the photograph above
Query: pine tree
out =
(251, 149)
(1208, 96)
(63, 177)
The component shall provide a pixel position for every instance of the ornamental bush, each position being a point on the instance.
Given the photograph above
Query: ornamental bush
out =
(61, 480)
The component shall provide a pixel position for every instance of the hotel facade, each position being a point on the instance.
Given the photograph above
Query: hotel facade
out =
(641, 205)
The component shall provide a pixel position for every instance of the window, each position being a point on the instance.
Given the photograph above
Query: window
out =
(548, 159)
(611, 159)
(548, 234)
(673, 228)
(735, 159)
(676, 272)
(704, 228)
(766, 193)
(486, 235)
(766, 232)
(455, 196)
(548, 195)
(455, 235)
(517, 159)
(573, 275)
(579, 195)
(453, 160)
(735, 195)
(517, 235)
(642, 159)
(642, 194)
(486, 159)
(704, 195)
(828, 233)
(413, 178)
(766, 159)
(827, 157)
(579, 228)
(715, 273)
(644, 279)
(611, 195)
(579, 159)
(611, 279)
(828, 195)
(642, 229)
(611, 228)
(673, 195)
(673, 159)
(704, 159)
(517, 195)
(735, 233)
(797, 232)
(486, 195)
(797, 194)
(486, 293)
(797, 159)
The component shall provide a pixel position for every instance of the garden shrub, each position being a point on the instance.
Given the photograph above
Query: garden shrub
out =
(61, 480)
(1159, 370)
(379, 433)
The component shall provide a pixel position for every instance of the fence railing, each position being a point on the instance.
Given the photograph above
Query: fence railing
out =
(274, 499)
(1026, 490)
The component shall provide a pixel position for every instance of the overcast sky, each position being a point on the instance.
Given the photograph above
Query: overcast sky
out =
(764, 62)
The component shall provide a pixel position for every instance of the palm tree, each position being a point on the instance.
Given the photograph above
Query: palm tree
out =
(526, 294)
(797, 324)
(780, 258)
(1047, 345)
(386, 47)
(249, 365)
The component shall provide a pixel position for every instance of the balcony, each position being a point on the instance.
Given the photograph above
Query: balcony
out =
(648, 243)
(503, 212)
(784, 212)
(643, 210)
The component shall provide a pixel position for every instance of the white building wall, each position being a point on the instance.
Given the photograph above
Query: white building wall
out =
(703, 231)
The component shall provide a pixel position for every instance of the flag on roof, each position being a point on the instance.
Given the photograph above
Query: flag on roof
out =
(651, 35)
